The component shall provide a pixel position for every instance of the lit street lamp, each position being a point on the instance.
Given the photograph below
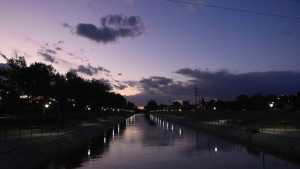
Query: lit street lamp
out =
(215, 108)
(271, 105)
(47, 106)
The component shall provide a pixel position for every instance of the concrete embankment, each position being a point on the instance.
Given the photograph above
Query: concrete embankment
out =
(36, 152)
(282, 146)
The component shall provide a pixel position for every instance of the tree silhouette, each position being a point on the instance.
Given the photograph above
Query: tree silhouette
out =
(39, 89)
(151, 105)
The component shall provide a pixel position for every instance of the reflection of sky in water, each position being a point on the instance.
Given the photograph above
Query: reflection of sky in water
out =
(148, 144)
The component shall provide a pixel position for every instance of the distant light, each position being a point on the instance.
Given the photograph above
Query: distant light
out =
(47, 106)
(104, 140)
(88, 107)
(180, 132)
(89, 152)
(271, 105)
(215, 108)
(23, 96)
(216, 149)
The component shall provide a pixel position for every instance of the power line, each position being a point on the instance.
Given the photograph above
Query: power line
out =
(202, 3)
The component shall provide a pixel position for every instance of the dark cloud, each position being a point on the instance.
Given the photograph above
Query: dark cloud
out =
(48, 54)
(58, 49)
(48, 57)
(50, 51)
(219, 84)
(112, 28)
(66, 25)
(228, 85)
(90, 70)
(157, 85)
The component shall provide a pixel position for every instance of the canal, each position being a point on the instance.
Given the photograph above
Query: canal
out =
(150, 143)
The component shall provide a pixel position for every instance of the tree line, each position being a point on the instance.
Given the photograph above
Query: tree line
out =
(256, 102)
(38, 89)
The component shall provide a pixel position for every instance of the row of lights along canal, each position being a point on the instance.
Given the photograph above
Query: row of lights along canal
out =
(114, 132)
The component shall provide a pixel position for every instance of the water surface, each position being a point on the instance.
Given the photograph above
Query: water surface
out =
(144, 143)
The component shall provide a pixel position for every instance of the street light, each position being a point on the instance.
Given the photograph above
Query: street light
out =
(271, 105)
(216, 149)
(47, 105)
(215, 108)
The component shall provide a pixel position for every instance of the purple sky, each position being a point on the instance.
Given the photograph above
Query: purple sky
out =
(206, 41)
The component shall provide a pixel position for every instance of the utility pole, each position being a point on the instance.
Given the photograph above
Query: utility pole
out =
(196, 95)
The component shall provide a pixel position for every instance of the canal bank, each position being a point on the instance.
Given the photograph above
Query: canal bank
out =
(36, 152)
(281, 146)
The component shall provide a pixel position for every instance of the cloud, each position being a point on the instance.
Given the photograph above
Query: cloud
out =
(218, 84)
(58, 49)
(66, 25)
(50, 51)
(48, 57)
(112, 28)
(89, 70)
(228, 85)
(162, 89)
(157, 85)
(120, 86)
(48, 54)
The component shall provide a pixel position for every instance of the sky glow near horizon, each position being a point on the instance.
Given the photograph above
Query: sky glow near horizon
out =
(176, 36)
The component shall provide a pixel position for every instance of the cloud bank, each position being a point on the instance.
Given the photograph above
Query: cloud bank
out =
(218, 84)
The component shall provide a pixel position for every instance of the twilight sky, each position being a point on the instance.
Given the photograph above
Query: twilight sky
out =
(161, 49)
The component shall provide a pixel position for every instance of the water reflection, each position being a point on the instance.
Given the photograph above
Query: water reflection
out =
(154, 143)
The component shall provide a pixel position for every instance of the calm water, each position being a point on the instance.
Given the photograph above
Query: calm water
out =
(144, 143)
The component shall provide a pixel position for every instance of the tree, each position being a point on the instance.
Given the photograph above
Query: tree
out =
(151, 105)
